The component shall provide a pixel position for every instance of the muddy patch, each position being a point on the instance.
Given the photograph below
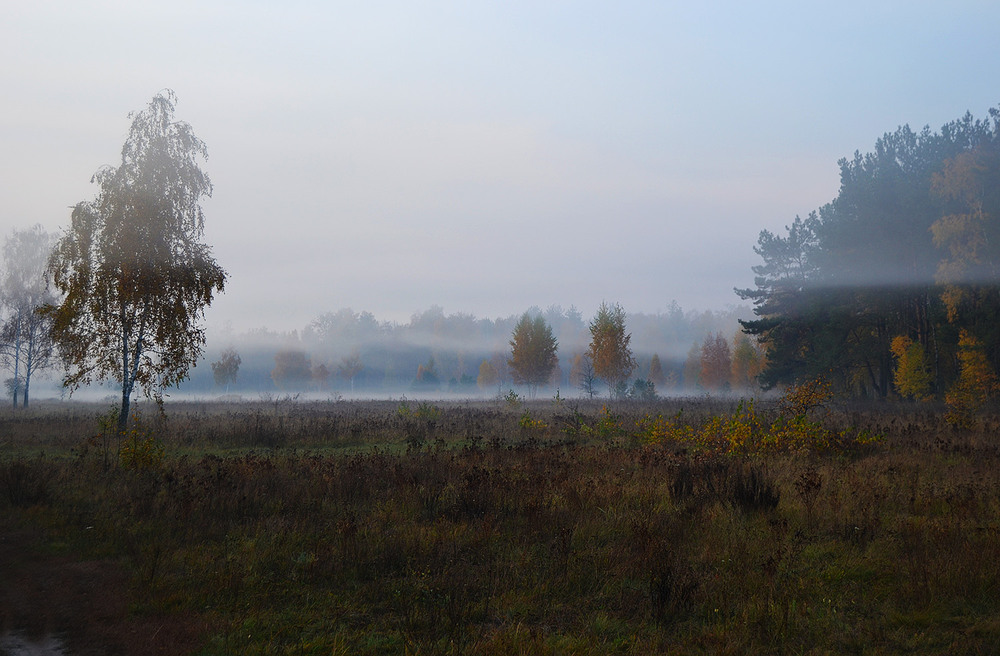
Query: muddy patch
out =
(12, 644)
(78, 606)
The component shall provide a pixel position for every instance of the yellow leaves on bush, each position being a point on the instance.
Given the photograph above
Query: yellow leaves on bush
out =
(799, 400)
(529, 423)
(608, 423)
(140, 448)
(750, 431)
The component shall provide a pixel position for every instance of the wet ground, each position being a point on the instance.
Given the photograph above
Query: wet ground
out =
(52, 602)
(12, 644)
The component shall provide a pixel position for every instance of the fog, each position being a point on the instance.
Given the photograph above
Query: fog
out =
(391, 353)
(391, 157)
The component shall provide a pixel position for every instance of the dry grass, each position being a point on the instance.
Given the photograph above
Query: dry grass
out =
(468, 529)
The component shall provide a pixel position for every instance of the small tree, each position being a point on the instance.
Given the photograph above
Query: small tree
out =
(609, 350)
(642, 390)
(226, 368)
(655, 375)
(427, 374)
(487, 377)
(533, 352)
(977, 382)
(716, 363)
(350, 367)
(692, 368)
(583, 375)
(26, 344)
(321, 376)
(748, 361)
(292, 369)
(135, 276)
(913, 376)
(499, 363)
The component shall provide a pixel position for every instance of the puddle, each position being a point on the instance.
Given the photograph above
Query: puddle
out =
(12, 644)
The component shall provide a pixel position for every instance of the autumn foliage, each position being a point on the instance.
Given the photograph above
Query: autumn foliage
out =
(977, 382)
(716, 363)
(610, 351)
(912, 378)
(134, 275)
(899, 272)
(533, 352)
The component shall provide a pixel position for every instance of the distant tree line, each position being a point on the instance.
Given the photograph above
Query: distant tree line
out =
(891, 289)
(346, 351)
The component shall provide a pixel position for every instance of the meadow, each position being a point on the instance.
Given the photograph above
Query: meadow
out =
(555, 526)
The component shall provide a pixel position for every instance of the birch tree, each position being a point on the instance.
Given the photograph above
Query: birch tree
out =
(610, 351)
(533, 352)
(26, 342)
(134, 274)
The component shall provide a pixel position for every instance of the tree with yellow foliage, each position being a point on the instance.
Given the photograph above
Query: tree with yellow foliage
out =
(610, 351)
(533, 352)
(969, 232)
(747, 361)
(912, 378)
(977, 382)
(487, 377)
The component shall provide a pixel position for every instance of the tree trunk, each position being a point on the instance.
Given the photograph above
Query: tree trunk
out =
(123, 413)
(17, 356)
(29, 364)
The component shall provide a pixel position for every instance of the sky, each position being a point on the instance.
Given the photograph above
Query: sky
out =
(485, 157)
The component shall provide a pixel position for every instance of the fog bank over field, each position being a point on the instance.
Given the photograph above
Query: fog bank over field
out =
(388, 354)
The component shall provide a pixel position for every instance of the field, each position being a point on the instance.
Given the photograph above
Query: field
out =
(502, 527)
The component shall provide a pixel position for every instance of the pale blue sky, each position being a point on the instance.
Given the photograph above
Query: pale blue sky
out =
(485, 157)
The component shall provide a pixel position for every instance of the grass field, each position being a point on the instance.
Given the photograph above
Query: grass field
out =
(550, 527)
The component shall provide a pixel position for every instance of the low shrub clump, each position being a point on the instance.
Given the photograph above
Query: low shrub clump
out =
(798, 422)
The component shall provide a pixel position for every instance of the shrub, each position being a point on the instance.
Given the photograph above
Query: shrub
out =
(140, 448)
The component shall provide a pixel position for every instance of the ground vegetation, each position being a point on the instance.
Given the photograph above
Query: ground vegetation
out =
(674, 527)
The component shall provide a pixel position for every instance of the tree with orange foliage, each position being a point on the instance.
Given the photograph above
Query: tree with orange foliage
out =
(716, 363)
